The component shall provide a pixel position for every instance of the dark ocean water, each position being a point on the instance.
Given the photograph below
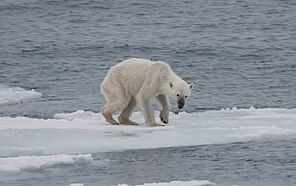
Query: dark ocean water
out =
(254, 163)
(238, 53)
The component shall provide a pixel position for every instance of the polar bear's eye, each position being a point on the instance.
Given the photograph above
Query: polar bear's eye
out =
(186, 96)
(178, 95)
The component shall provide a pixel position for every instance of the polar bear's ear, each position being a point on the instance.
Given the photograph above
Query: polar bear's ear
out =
(191, 85)
(171, 84)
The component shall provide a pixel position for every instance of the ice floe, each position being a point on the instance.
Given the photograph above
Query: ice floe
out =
(17, 164)
(87, 132)
(13, 95)
(177, 183)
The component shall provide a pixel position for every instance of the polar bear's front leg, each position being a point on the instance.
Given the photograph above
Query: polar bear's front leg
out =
(166, 106)
(145, 104)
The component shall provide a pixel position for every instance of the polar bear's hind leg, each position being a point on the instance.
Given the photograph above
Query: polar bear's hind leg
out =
(127, 112)
(114, 102)
(108, 116)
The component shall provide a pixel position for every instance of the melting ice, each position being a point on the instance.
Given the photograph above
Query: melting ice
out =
(13, 95)
(172, 183)
(28, 143)
(87, 132)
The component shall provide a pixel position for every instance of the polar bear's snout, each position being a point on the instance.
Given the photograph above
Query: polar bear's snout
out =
(181, 103)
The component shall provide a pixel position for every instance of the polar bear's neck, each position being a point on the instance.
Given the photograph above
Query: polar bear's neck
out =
(172, 81)
(176, 79)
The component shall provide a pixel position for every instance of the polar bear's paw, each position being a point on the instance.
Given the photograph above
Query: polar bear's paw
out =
(113, 122)
(156, 125)
(109, 118)
(127, 122)
(164, 117)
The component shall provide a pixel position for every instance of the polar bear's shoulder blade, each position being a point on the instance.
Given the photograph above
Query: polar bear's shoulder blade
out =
(161, 67)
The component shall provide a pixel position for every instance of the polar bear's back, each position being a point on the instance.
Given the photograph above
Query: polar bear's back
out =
(136, 68)
(134, 65)
(131, 74)
(136, 61)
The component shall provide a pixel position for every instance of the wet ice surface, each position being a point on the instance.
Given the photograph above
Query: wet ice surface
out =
(14, 165)
(88, 132)
(235, 147)
(15, 95)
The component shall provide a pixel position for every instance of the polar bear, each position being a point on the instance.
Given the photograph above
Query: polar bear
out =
(136, 81)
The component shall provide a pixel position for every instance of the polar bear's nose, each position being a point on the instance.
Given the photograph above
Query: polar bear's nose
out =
(181, 103)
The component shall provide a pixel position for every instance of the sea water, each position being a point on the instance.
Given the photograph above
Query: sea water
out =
(237, 127)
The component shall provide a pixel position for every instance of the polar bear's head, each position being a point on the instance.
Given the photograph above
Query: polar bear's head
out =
(180, 92)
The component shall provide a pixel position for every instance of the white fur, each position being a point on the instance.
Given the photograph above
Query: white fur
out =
(135, 82)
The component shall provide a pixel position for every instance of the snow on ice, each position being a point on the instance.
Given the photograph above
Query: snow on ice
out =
(177, 183)
(86, 132)
(16, 164)
(13, 95)
(172, 183)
